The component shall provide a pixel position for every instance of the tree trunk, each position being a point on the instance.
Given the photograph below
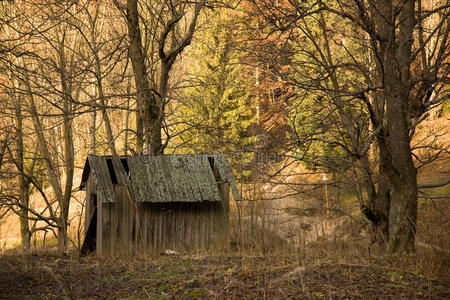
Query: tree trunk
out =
(151, 100)
(403, 176)
(149, 109)
(377, 209)
(92, 131)
(396, 155)
(126, 126)
(52, 172)
(69, 161)
(25, 233)
(24, 200)
(69, 165)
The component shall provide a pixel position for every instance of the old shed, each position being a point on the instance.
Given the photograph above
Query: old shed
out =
(176, 202)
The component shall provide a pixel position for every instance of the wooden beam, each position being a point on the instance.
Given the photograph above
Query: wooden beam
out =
(99, 235)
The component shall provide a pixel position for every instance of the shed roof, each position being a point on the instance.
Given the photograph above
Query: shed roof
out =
(163, 178)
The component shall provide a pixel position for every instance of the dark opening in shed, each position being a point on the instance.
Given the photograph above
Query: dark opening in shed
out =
(177, 202)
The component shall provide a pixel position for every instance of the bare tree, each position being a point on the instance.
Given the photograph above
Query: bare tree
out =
(370, 72)
(168, 29)
(46, 77)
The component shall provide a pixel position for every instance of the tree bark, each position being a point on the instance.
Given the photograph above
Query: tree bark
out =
(395, 48)
(149, 108)
(69, 166)
(24, 198)
(151, 100)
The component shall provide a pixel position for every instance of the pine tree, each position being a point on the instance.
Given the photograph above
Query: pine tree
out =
(217, 111)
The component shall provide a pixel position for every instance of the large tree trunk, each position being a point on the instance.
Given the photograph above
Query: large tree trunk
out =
(149, 108)
(151, 99)
(403, 177)
(397, 162)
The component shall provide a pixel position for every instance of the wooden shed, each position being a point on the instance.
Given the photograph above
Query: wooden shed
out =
(180, 202)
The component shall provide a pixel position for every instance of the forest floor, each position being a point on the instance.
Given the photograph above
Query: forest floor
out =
(48, 276)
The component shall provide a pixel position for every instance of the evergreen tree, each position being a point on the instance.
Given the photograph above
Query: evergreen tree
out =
(217, 111)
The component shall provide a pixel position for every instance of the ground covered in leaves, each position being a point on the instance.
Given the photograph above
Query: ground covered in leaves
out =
(221, 277)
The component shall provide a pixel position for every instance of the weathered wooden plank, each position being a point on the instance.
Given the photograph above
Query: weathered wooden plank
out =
(160, 230)
(185, 243)
(181, 230)
(99, 234)
(204, 226)
(166, 229)
(210, 223)
(151, 227)
(102, 179)
(201, 229)
(189, 228)
(120, 226)
(111, 228)
(157, 229)
(226, 174)
(209, 181)
(225, 191)
(89, 207)
(106, 228)
(124, 223)
(143, 231)
(177, 226)
(116, 220)
(171, 230)
(195, 229)
(137, 184)
(131, 222)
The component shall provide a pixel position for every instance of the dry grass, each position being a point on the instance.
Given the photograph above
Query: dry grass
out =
(276, 275)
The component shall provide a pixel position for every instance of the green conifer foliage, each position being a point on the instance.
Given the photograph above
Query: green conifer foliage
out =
(217, 111)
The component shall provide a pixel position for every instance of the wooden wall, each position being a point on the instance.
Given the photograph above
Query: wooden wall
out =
(180, 226)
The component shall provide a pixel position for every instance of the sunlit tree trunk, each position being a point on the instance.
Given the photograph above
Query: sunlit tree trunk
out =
(24, 198)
